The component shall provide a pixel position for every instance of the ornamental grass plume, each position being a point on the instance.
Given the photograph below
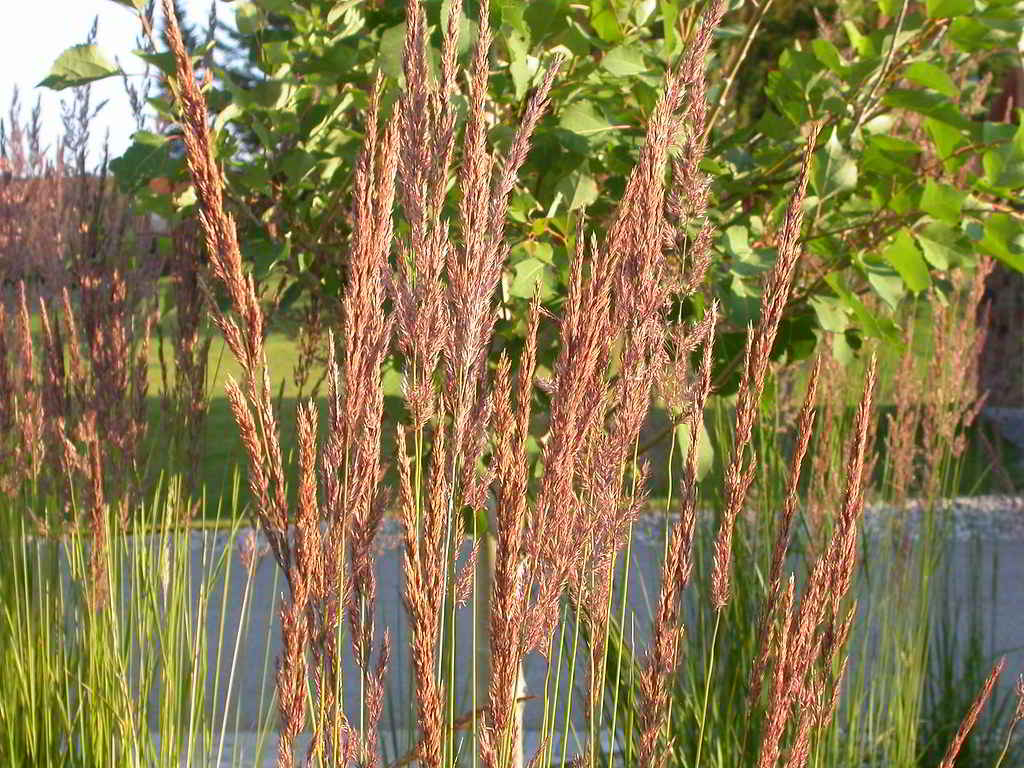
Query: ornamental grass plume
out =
(350, 461)
(663, 654)
(810, 636)
(466, 439)
(760, 341)
(805, 427)
(971, 718)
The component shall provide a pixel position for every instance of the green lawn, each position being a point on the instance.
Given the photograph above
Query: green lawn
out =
(223, 460)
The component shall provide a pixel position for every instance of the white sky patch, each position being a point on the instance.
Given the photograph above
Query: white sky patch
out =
(35, 32)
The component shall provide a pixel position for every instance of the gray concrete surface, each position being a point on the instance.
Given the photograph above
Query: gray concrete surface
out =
(985, 576)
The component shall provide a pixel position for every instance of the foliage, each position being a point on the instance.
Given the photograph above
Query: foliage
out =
(908, 183)
(865, 249)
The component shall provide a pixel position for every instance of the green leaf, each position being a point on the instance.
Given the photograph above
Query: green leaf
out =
(583, 119)
(250, 18)
(264, 254)
(1004, 165)
(742, 301)
(886, 282)
(528, 273)
(930, 76)
(580, 190)
(796, 339)
(736, 240)
(862, 43)
(226, 115)
(669, 14)
(845, 346)
(275, 6)
(607, 26)
(164, 61)
(705, 450)
(929, 104)
(832, 314)
(538, 249)
(971, 35)
(874, 325)
(512, 15)
(149, 157)
(624, 61)
(947, 140)
(296, 164)
(643, 9)
(942, 201)
(887, 155)
(942, 245)
(940, 9)
(290, 296)
(79, 65)
(834, 169)
(828, 54)
(519, 63)
(1004, 239)
(906, 259)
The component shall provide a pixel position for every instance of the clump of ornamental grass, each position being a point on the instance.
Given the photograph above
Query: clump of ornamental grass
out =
(75, 321)
(186, 398)
(428, 296)
(128, 684)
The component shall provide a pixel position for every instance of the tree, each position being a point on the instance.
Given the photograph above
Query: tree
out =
(1002, 359)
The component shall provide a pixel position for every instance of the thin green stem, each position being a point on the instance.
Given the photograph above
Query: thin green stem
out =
(707, 687)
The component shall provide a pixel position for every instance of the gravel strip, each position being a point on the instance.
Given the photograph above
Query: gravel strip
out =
(986, 517)
(989, 518)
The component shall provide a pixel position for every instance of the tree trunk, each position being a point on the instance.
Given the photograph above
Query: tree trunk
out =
(1002, 358)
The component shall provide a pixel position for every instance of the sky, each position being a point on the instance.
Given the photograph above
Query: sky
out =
(35, 32)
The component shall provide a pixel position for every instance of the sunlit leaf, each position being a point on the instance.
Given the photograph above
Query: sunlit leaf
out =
(906, 259)
(79, 65)
(940, 9)
(942, 201)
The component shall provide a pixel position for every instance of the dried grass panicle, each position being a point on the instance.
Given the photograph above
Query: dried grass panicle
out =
(954, 400)
(781, 692)
(351, 462)
(901, 443)
(805, 424)
(585, 334)
(366, 339)
(739, 473)
(30, 414)
(971, 718)
(813, 634)
(291, 671)
(251, 401)
(189, 399)
(425, 534)
(474, 267)
(427, 119)
(511, 588)
(841, 556)
(7, 401)
(662, 657)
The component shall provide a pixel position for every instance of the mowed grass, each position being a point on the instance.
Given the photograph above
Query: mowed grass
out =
(223, 454)
(223, 461)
